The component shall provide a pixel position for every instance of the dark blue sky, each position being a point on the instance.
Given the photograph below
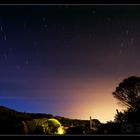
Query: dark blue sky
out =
(67, 59)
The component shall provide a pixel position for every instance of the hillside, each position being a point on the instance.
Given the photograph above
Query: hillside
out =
(7, 113)
(10, 119)
(14, 122)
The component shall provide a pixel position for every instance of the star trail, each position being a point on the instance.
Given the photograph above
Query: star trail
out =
(66, 60)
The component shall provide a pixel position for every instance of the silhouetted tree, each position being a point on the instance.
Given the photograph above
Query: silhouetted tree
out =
(120, 117)
(112, 128)
(128, 92)
(128, 116)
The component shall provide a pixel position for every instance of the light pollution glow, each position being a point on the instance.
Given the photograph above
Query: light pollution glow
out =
(81, 102)
(71, 67)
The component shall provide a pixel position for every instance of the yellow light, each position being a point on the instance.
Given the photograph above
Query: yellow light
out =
(60, 130)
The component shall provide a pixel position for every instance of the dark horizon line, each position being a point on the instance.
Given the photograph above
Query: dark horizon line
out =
(50, 114)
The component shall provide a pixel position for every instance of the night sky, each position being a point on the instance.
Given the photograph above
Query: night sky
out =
(66, 60)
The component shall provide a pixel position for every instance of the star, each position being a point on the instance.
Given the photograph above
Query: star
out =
(27, 62)
(44, 19)
(120, 52)
(45, 25)
(1, 28)
(5, 38)
(122, 44)
(127, 32)
(5, 56)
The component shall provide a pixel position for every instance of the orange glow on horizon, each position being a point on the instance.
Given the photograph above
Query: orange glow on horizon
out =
(85, 103)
